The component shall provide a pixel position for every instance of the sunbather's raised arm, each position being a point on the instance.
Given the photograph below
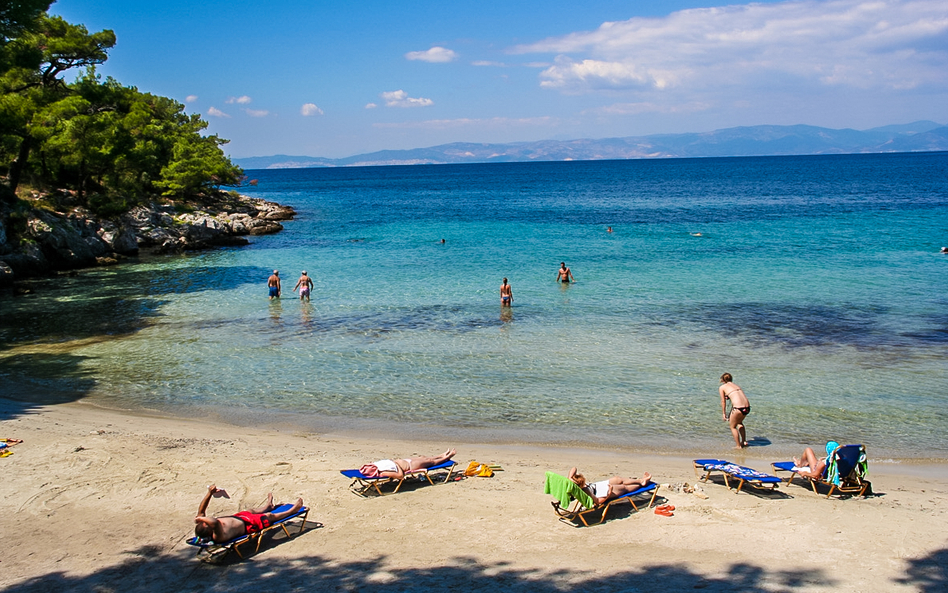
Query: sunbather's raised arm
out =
(202, 508)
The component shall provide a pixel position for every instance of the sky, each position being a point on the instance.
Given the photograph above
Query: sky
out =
(335, 79)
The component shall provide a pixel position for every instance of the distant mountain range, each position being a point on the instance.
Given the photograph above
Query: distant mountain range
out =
(921, 136)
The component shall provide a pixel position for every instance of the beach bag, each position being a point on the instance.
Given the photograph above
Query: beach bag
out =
(476, 468)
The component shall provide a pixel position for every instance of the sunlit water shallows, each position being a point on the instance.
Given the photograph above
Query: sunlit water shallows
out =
(815, 281)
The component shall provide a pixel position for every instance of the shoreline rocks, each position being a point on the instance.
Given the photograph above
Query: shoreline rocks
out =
(41, 241)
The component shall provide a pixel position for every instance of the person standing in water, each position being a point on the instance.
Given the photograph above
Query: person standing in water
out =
(305, 284)
(564, 275)
(273, 283)
(740, 408)
(506, 294)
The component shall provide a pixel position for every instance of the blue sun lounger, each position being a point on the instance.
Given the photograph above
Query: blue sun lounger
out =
(844, 474)
(743, 475)
(209, 549)
(362, 483)
(573, 503)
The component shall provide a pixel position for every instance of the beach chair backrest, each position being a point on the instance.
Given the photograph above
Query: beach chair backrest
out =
(849, 458)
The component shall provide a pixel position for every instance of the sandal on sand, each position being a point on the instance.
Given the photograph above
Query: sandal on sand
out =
(664, 512)
(666, 507)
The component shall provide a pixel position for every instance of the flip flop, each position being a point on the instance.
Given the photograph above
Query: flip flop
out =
(666, 507)
(664, 513)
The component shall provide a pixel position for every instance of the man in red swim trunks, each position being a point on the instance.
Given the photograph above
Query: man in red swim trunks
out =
(224, 529)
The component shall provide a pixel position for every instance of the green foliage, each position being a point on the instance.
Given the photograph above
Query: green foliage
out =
(112, 144)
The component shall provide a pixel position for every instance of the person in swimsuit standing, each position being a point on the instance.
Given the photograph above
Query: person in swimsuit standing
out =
(606, 489)
(506, 295)
(397, 468)
(564, 275)
(273, 283)
(740, 408)
(223, 529)
(305, 284)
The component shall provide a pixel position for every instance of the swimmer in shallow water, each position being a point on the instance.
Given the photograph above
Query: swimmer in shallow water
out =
(564, 275)
(506, 294)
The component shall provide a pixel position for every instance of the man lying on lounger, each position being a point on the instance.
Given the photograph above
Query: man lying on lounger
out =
(608, 489)
(224, 529)
(397, 468)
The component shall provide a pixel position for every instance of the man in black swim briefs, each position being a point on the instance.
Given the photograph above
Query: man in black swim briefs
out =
(564, 275)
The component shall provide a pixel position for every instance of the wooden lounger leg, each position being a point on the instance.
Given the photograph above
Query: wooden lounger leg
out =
(450, 471)
(652, 500)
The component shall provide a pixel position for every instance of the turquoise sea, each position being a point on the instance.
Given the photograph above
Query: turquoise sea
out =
(816, 281)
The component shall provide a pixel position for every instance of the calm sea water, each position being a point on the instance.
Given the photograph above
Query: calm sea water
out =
(815, 281)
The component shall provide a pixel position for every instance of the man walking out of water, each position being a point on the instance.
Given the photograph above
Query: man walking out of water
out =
(564, 275)
(305, 284)
(273, 282)
(506, 295)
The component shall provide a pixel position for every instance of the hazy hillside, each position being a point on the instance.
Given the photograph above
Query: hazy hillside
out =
(924, 136)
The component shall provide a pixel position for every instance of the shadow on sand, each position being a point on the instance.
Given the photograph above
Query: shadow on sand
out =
(151, 568)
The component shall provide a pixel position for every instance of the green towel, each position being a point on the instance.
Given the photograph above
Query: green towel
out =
(563, 489)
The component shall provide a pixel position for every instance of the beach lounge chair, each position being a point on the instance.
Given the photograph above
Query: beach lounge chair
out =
(361, 483)
(208, 549)
(732, 471)
(844, 474)
(572, 503)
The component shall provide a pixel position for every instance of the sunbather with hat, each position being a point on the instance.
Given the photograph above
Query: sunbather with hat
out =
(605, 490)
(810, 465)
(397, 468)
(224, 529)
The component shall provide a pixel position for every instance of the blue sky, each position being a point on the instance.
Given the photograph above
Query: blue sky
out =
(334, 79)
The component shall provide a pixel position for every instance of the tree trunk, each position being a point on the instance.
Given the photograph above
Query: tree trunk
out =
(17, 167)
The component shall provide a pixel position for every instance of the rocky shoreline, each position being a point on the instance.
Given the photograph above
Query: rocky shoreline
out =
(51, 236)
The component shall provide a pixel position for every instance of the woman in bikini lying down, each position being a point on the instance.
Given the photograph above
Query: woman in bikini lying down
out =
(740, 408)
(397, 468)
(605, 490)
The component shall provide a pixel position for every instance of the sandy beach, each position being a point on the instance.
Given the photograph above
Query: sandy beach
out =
(99, 500)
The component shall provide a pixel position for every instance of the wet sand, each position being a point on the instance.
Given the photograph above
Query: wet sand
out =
(99, 500)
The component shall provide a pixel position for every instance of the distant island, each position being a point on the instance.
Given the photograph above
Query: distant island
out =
(920, 136)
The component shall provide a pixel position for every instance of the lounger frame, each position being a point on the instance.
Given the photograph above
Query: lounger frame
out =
(362, 484)
(577, 511)
(210, 550)
(851, 484)
(766, 483)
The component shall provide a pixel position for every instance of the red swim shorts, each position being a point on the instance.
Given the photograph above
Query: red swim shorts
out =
(253, 522)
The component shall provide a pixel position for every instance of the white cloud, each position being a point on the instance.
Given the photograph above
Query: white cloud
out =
(257, 112)
(190, 98)
(488, 63)
(864, 44)
(242, 100)
(371, 105)
(309, 109)
(435, 55)
(214, 111)
(400, 98)
(597, 74)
